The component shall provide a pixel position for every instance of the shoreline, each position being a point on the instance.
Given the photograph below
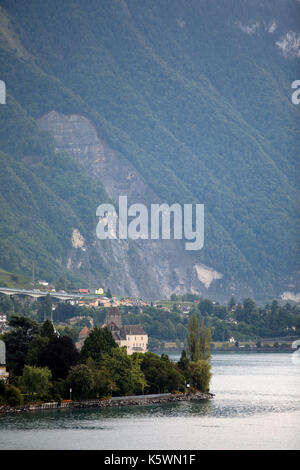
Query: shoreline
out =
(232, 351)
(139, 400)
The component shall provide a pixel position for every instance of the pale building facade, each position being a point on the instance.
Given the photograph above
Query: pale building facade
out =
(133, 337)
(3, 373)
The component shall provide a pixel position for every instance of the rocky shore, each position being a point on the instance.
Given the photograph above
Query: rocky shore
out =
(140, 400)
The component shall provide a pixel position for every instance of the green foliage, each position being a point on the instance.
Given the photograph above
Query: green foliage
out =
(177, 112)
(200, 373)
(47, 330)
(198, 339)
(6, 304)
(10, 395)
(184, 365)
(98, 342)
(205, 339)
(17, 342)
(59, 355)
(104, 383)
(125, 371)
(36, 345)
(35, 380)
(108, 293)
(161, 374)
(193, 339)
(80, 379)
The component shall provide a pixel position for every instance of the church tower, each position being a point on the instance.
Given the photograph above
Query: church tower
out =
(114, 316)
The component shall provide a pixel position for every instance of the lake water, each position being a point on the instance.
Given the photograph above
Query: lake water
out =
(256, 406)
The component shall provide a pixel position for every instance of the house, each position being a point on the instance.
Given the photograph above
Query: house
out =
(133, 337)
(3, 322)
(3, 374)
(99, 291)
(83, 291)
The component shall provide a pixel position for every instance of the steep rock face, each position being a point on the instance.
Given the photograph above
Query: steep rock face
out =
(147, 268)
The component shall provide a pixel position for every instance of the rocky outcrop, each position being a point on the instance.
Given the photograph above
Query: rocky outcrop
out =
(151, 269)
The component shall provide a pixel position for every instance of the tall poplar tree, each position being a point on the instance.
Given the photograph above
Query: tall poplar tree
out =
(193, 339)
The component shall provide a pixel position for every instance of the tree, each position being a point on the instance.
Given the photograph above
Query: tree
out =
(161, 374)
(138, 380)
(80, 380)
(205, 339)
(103, 382)
(250, 311)
(193, 338)
(108, 293)
(206, 306)
(231, 302)
(200, 372)
(184, 365)
(59, 355)
(17, 342)
(125, 371)
(47, 330)
(39, 342)
(36, 345)
(98, 342)
(36, 379)
(10, 395)
(220, 332)
(220, 311)
(63, 311)
(6, 304)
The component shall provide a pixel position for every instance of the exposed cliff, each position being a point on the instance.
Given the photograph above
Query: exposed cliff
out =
(146, 268)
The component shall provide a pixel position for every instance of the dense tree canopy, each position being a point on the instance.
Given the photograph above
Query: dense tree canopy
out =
(58, 355)
(17, 342)
(99, 341)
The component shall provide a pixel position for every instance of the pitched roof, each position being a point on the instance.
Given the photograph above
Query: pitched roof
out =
(132, 330)
(114, 311)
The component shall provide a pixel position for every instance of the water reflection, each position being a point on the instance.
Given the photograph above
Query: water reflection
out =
(251, 393)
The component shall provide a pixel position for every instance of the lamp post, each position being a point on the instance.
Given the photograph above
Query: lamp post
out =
(70, 394)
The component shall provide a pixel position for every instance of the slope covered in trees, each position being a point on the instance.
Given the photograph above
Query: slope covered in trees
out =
(195, 94)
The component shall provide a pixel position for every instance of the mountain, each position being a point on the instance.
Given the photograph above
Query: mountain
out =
(186, 102)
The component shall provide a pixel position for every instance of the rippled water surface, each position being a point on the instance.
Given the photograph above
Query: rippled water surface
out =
(256, 406)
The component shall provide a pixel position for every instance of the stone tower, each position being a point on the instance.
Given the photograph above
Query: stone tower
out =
(114, 316)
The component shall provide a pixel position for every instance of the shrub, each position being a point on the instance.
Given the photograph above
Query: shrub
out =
(13, 396)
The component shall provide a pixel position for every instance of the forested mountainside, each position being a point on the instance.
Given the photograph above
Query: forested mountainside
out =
(183, 101)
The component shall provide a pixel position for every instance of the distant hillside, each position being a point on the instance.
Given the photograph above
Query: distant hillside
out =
(193, 99)
(14, 280)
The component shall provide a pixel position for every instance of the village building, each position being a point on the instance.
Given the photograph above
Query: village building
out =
(99, 291)
(3, 374)
(3, 322)
(133, 337)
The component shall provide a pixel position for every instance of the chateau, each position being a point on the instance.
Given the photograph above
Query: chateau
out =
(133, 337)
